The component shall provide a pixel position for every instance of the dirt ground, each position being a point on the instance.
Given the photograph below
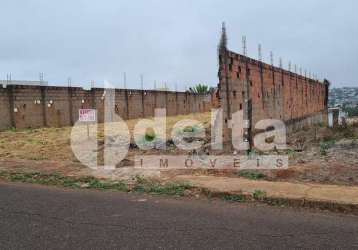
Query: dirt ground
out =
(49, 149)
(318, 154)
(322, 155)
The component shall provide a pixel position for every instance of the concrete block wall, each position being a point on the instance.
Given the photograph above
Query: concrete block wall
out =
(5, 121)
(28, 106)
(24, 106)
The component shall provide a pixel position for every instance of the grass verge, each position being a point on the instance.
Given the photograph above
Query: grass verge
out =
(90, 182)
(173, 189)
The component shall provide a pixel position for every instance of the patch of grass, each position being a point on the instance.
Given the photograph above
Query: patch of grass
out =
(153, 187)
(291, 152)
(234, 197)
(149, 136)
(252, 153)
(37, 158)
(252, 175)
(341, 132)
(259, 195)
(324, 146)
(56, 179)
(90, 182)
(34, 141)
(12, 129)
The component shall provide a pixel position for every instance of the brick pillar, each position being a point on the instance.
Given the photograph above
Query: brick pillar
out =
(186, 103)
(248, 106)
(126, 102)
(93, 98)
(142, 92)
(262, 85)
(43, 102)
(176, 103)
(10, 94)
(70, 106)
(282, 93)
(274, 92)
(166, 102)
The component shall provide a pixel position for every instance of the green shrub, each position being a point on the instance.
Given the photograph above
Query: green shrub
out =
(324, 146)
(259, 195)
(252, 175)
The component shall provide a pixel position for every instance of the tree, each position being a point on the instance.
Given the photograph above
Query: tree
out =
(200, 89)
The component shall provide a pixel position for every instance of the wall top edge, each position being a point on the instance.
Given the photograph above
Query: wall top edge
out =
(15, 86)
(264, 65)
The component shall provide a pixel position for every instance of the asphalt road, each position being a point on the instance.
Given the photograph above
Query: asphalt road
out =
(35, 217)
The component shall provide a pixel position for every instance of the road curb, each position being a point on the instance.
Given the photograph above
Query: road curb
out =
(289, 202)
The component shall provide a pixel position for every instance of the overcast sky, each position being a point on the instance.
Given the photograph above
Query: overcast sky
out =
(172, 41)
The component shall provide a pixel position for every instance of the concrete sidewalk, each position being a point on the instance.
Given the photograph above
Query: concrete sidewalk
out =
(278, 190)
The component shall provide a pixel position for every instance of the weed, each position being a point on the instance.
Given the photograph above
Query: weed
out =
(324, 146)
(147, 186)
(12, 129)
(34, 141)
(252, 175)
(291, 152)
(259, 195)
(234, 197)
(322, 125)
(37, 158)
(149, 136)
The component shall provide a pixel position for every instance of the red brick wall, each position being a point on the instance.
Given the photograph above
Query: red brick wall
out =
(275, 93)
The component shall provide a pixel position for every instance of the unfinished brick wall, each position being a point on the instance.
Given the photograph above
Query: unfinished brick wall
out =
(272, 92)
(40, 106)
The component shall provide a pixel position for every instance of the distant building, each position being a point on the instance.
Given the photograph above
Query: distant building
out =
(336, 117)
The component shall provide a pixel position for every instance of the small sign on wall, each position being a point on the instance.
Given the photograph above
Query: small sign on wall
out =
(87, 115)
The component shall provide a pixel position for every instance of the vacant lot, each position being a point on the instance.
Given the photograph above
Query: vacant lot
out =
(317, 154)
(54, 143)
